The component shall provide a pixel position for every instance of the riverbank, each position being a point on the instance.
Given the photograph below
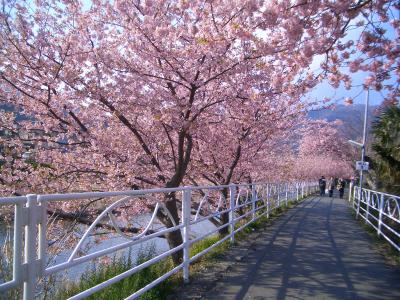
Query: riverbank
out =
(168, 288)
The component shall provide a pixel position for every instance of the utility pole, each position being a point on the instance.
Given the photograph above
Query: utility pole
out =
(362, 146)
(364, 136)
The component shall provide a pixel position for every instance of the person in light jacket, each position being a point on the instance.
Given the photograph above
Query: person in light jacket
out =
(331, 186)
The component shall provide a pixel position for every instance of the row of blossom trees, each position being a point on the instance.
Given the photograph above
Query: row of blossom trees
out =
(134, 94)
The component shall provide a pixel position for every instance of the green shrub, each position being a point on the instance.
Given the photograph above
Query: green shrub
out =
(101, 272)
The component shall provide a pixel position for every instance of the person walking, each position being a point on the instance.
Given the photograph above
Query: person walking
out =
(322, 186)
(331, 186)
(341, 185)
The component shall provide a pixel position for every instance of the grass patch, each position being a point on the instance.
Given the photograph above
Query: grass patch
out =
(206, 243)
(391, 255)
(101, 272)
(384, 247)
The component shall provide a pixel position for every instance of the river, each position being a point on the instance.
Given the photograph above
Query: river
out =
(156, 245)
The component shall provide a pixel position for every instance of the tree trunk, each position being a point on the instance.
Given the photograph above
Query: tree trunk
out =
(224, 220)
(174, 238)
(225, 216)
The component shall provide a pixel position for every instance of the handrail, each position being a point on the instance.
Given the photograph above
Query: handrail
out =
(379, 210)
(31, 216)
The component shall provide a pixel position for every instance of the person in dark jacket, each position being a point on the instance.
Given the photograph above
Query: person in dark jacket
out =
(341, 185)
(322, 186)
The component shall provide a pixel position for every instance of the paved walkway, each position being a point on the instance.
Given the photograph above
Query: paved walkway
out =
(315, 251)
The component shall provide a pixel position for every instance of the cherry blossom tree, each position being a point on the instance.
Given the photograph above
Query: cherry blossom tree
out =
(370, 46)
(323, 151)
(248, 132)
(114, 94)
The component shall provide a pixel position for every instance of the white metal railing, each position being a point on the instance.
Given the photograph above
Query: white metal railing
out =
(379, 210)
(245, 204)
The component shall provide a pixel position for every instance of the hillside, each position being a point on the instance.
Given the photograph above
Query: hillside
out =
(351, 116)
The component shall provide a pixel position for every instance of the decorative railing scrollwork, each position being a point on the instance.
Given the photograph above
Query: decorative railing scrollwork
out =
(381, 211)
(103, 216)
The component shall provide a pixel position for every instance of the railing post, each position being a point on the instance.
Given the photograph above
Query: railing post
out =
(267, 200)
(187, 194)
(368, 203)
(232, 195)
(18, 243)
(253, 200)
(302, 190)
(279, 194)
(31, 271)
(350, 189)
(356, 193)
(359, 202)
(286, 194)
(297, 191)
(381, 206)
(42, 236)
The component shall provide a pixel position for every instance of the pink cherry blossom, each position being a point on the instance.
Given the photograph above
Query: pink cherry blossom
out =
(118, 94)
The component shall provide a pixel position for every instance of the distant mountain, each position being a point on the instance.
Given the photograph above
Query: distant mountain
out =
(351, 116)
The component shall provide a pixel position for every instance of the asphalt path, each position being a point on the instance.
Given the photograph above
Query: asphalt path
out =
(315, 251)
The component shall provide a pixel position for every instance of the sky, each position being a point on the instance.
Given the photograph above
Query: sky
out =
(357, 93)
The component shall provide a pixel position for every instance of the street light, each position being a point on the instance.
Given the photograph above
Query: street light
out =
(355, 143)
(362, 146)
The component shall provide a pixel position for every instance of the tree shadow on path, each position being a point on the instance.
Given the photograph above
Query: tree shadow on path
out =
(316, 251)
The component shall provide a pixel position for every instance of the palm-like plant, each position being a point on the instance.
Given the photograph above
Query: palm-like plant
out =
(386, 130)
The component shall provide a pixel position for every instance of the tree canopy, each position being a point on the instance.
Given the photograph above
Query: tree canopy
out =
(386, 145)
(131, 94)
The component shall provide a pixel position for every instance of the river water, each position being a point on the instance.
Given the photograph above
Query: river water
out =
(155, 245)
